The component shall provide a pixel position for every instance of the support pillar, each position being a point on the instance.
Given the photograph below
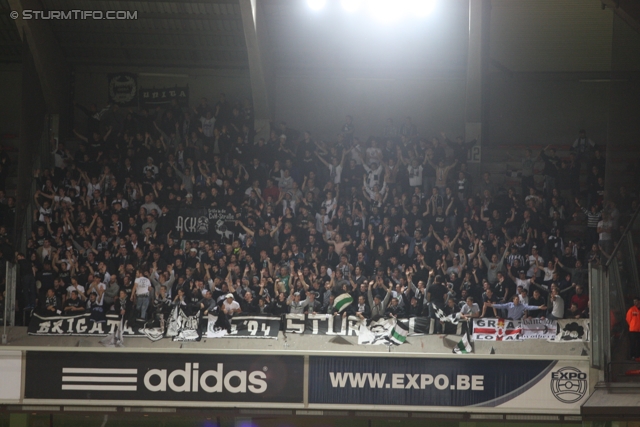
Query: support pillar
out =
(623, 133)
(32, 114)
(260, 71)
(476, 97)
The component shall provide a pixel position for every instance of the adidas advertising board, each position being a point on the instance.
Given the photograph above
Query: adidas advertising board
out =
(163, 377)
(551, 386)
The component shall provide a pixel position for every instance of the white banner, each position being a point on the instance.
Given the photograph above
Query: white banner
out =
(513, 330)
(539, 329)
(573, 330)
(182, 327)
(497, 330)
(376, 333)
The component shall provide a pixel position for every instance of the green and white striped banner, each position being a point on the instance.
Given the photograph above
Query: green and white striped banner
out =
(342, 302)
(398, 334)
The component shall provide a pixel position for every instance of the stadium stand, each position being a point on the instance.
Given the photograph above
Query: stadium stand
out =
(291, 224)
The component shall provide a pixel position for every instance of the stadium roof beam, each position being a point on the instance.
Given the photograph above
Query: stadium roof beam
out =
(133, 45)
(260, 70)
(61, 29)
(185, 16)
(626, 10)
(177, 2)
(136, 62)
(48, 57)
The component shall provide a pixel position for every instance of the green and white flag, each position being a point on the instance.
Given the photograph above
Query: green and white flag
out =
(463, 346)
(398, 334)
(342, 302)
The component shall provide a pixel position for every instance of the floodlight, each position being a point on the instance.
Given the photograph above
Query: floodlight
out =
(351, 5)
(316, 4)
(421, 8)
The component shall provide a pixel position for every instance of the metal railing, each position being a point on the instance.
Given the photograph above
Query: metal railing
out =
(9, 312)
(600, 333)
(612, 285)
(625, 233)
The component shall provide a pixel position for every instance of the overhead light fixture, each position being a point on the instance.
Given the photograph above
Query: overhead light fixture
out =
(421, 8)
(316, 4)
(351, 5)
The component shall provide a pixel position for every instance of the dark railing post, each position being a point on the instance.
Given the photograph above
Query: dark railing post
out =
(624, 234)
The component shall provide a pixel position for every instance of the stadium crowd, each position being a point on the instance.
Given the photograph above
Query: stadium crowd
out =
(396, 221)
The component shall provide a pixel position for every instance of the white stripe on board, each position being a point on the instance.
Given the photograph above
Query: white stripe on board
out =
(100, 379)
(92, 387)
(99, 371)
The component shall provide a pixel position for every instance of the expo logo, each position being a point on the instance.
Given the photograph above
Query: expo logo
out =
(569, 384)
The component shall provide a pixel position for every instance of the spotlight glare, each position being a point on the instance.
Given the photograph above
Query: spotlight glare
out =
(316, 4)
(421, 8)
(387, 11)
(351, 5)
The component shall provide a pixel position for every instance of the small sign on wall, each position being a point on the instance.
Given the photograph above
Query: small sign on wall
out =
(474, 131)
(123, 89)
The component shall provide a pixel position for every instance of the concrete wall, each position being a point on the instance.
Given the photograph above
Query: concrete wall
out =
(10, 88)
(544, 111)
(521, 111)
(319, 103)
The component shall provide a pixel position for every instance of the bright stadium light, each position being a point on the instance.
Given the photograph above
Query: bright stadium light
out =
(421, 8)
(387, 11)
(351, 5)
(316, 4)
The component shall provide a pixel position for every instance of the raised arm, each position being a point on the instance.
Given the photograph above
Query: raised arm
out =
(80, 136)
(302, 281)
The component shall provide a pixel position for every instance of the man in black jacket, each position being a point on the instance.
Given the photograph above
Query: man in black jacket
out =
(394, 309)
(361, 310)
(122, 305)
(50, 305)
(249, 304)
(414, 308)
(74, 305)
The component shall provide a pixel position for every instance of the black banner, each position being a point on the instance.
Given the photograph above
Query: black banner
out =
(81, 325)
(123, 89)
(73, 376)
(151, 98)
(254, 327)
(246, 327)
(205, 223)
(182, 327)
